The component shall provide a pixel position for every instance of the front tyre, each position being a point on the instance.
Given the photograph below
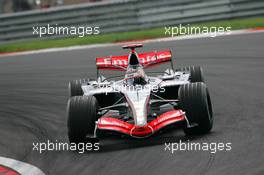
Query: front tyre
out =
(195, 100)
(82, 114)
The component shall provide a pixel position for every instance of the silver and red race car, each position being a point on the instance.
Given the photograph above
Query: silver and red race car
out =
(139, 105)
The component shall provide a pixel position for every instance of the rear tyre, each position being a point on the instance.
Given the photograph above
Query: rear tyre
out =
(75, 87)
(82, 114)
(195, 101)
(196, 73)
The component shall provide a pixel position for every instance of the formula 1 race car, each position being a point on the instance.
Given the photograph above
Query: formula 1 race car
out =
(139, 105)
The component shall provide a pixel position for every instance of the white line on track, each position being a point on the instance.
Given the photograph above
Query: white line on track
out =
(20, 167)
(27, 169)
(186, 37)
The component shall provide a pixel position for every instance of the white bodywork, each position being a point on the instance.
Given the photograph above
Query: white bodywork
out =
(137, 97)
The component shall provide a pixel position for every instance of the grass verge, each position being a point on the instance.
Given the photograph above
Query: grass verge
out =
(123, 36)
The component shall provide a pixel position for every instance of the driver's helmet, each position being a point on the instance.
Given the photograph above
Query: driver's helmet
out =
(135, 75)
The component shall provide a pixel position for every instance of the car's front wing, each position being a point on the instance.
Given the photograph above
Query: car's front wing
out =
(165, 119)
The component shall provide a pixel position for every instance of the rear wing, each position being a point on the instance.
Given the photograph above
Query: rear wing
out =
(121, 62)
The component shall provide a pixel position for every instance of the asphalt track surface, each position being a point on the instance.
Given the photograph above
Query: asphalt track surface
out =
(33, 97)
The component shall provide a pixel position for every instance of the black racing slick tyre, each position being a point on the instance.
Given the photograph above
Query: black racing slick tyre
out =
(75, 87)
(194, 100)
(196, 73)
(82, 115)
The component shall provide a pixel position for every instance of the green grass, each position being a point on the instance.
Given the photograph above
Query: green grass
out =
(124, 36)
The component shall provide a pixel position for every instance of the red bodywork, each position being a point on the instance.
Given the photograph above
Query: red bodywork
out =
(120, 63)
(146, 59)
(165, 119)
